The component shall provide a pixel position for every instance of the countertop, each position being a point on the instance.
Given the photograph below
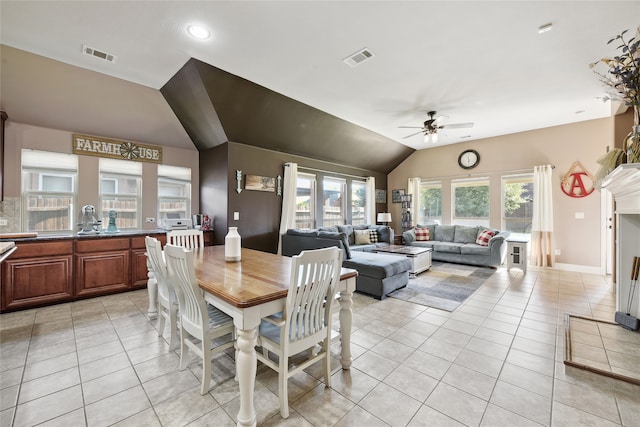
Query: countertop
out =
(20, 237)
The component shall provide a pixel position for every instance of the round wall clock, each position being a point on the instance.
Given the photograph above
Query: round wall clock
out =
(469, 159)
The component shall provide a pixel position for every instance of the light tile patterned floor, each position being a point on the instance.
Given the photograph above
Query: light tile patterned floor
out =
(496, 361)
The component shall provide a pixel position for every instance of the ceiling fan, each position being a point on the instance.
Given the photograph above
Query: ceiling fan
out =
(432, 125)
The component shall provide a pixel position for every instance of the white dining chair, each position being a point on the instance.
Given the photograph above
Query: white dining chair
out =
(305, 321)
(198, 319)
(167, 300)
(189, 239)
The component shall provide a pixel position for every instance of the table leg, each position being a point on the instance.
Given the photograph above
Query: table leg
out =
(346, 316)
(152, 289)
(246, 366)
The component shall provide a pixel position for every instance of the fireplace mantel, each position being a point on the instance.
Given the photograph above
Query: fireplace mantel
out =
(624, 183)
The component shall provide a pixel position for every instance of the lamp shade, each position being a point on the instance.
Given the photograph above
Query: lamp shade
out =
(384, 217)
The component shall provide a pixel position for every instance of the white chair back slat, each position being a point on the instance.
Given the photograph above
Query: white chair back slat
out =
(189, 239)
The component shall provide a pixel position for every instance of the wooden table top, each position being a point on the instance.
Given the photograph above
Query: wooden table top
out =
(259, 278)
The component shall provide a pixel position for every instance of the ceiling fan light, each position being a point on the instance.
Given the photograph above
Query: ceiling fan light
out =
(430, 138)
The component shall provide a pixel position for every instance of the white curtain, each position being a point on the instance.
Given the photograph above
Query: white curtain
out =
(542, 226)
(289, 186)
(370, 208)
(413, 188)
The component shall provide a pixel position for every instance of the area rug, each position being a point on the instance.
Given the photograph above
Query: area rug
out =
(444, 286)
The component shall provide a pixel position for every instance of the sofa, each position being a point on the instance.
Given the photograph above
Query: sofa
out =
(460, 244)
(378, 274)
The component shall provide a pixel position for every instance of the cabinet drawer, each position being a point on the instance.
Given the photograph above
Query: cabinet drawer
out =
(39, 249)
(30, 282)
(102, 245)
(138, 241)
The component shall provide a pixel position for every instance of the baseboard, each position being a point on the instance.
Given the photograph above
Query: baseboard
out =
(579, 268)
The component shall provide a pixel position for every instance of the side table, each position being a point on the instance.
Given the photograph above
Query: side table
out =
(517, 253)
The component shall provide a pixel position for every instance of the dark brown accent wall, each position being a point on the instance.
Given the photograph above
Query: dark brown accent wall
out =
(213, 104)
(259, 211)
(214, 187)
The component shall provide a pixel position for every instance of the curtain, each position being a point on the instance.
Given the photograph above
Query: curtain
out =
(289, 190)
(542, 226)
(413, 188)
(370, 209)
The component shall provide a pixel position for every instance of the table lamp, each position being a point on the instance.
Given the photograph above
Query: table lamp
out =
(384, 217)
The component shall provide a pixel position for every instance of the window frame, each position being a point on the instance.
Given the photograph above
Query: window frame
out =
(526, 178)
(173, 178)
(363, 183)
(484, 221)
(424, 219)
(342, 182)
(106, 173)
(312, 201)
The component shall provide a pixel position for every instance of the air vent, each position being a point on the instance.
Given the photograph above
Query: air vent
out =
(358, 57)
(98, 53)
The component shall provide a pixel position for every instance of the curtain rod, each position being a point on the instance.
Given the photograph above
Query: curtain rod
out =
(331, 172)
(480, 174)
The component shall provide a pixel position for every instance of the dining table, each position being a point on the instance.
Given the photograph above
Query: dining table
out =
(253, 288)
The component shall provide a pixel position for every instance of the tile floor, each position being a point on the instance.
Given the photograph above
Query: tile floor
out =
(495, 361)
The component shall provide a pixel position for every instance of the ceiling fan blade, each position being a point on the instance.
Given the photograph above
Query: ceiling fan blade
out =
(440, 119)
(413, 134)
(410, 127)
(459, 125)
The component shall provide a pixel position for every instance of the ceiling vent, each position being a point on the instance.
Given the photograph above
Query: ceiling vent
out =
(358, 57)
(98, 53)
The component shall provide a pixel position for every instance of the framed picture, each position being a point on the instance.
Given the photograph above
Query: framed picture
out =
(260, 183)
(381, 196)
(396, 196)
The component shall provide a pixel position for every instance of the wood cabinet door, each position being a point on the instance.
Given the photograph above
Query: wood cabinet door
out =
(36, 281)
(102, 273)
(138, 268)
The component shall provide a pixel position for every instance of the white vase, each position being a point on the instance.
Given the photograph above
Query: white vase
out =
(232, 245)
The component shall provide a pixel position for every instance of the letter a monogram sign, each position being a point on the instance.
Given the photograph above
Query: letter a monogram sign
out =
(578, 182)
(115, 149)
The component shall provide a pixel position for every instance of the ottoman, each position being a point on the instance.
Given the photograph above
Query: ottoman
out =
(378, 274)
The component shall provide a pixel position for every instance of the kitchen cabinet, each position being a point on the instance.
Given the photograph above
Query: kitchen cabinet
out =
(48, 270)
(38, 273)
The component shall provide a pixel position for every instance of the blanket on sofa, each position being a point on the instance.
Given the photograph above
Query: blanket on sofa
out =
(445, 286)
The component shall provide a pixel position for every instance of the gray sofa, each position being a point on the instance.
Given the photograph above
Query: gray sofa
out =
(378, 274)
(457, 243)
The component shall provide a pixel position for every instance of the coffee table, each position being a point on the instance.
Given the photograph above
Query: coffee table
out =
(420, 257)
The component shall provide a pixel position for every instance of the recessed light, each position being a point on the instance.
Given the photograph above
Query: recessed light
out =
(545, 28)
(580, 112)
(198, 32)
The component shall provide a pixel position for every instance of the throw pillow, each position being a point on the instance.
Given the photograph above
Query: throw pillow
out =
(363, 237)
(422, 234)
(373, 236)
(484, 237)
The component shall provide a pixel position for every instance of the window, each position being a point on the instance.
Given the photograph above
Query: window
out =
(517, 204)
(174, 191)
(430, 202)
(333, 192)
(120, 191)
(49, 191)
(358, 202)
(471, 202)
(305, 201)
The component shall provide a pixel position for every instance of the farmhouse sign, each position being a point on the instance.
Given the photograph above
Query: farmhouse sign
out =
(115, 149)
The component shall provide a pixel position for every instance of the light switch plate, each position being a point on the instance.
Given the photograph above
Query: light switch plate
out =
(236, 216)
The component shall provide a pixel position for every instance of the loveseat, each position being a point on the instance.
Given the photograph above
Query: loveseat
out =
(378, 274)
(461, 244)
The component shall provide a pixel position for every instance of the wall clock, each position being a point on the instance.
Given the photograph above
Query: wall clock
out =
(469, 159)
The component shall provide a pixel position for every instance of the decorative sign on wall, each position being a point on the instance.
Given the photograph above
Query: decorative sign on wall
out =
(577, 182)
(381, 196)
(115, 149)
(396, 195)
(260, 183)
